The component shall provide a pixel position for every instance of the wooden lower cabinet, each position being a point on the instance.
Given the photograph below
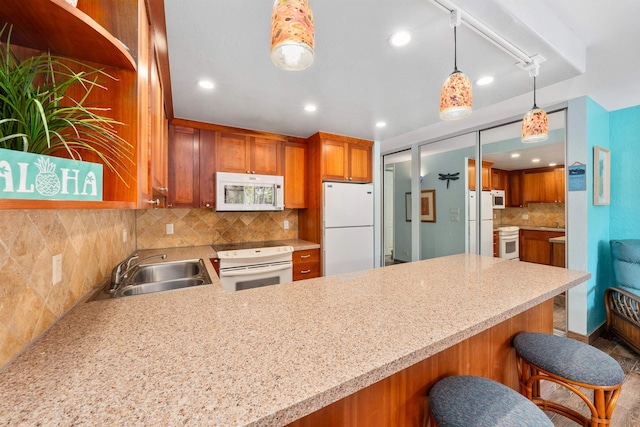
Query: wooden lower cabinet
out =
(401, 398)
(496, 242)
(535, 246)
(306, 264)
(558, 255)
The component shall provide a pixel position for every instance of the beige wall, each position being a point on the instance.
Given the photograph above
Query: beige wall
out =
(193, 227)
(540, 215)
(90, 242)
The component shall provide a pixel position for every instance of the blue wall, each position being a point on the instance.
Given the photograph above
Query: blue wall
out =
(598, 255)
(625, 179)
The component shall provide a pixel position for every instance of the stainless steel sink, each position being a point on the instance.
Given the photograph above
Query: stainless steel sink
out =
(147, 288)
(158, 277)
(163, 271)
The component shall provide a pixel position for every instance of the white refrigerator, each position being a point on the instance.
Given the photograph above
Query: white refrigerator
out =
(347, 237)
(486, 223)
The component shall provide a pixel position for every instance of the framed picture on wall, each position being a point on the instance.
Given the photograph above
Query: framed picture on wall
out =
(601, 175)
(428, 206)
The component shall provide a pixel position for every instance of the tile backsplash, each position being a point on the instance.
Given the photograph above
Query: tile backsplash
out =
(90, 242)
(194, 227)
(539, 215)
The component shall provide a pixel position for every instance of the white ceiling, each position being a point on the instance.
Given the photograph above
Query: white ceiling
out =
(358, 79)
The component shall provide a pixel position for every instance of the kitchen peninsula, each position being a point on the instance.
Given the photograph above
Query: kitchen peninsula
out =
(277, 354)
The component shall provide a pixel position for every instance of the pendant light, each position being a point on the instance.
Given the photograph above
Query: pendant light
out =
(292, 34)
(535, 125)
(455, 97)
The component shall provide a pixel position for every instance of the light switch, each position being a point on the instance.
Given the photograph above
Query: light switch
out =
(286, 224)
(169, 228)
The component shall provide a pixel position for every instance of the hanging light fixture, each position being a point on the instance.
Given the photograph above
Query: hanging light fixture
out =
(455, 96)
(535, 125)
(292, 34)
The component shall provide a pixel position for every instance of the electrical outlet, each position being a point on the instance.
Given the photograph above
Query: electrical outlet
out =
(525, 216)
(57, 269)
(169, 229)
(125, 235)
(286, 224)
(455, 218)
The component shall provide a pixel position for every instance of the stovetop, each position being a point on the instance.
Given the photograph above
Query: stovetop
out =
(221, 247)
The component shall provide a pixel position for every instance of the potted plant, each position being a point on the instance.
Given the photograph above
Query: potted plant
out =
(40, 114)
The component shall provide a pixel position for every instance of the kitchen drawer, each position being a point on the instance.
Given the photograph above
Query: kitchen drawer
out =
(306, 264)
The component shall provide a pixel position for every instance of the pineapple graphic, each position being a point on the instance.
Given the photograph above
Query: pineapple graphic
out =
(47, 182)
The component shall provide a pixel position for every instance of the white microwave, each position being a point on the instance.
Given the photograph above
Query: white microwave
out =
(249, 192)
(499, 199)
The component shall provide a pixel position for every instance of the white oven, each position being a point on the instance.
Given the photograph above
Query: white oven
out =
(252, 268)
(509, 243)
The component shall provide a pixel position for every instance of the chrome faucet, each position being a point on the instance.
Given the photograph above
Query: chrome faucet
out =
(117, 274)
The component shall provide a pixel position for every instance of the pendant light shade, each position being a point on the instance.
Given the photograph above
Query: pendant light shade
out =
(535, 125)
(456, 99)
(292, 34)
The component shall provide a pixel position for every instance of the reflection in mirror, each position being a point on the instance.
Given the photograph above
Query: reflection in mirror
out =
(444, 208)
(396, 211)
(527, 183)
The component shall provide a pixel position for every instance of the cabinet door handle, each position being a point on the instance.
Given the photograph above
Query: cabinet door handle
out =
(154, 202)
(305, 256)
(305, 272)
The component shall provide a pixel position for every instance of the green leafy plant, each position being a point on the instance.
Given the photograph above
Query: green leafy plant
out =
(39, 114)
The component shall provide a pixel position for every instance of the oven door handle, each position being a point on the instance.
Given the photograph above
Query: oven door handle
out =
(251, 271)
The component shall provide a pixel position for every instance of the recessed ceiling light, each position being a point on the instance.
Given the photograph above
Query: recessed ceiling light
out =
(205, 84)
(484, 80)
(515, 155)
(310, 108)
(400, 38)
(535, 160)
(381, 124)
(553, 164)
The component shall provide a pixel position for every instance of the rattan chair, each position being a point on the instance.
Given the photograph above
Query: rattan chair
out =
(622, 300)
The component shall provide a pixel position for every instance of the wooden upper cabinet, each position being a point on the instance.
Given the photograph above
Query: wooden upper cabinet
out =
(360, 168)
(543, 185)
(207, 168)
(335, 164)
(295, 175)
(184, 167)
(265, 156)
(232, 153)
(499, 179)
(343, 160)
(514, 191)
(243, 154)
(486, 174)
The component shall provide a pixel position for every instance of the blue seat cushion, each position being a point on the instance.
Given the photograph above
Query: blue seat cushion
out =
(568, 358)
(626, 263)
(470, 401)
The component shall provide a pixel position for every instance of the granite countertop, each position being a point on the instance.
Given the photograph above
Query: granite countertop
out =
(533, 227)
(297, 244)
(560, 239)
(265, 356)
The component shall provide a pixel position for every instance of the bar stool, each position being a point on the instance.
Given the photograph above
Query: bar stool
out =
(571, 364)
(470, 401)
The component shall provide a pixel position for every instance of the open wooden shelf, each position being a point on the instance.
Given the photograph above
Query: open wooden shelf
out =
(57, 27)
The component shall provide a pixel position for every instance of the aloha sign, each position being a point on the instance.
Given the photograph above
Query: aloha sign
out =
(30, 176)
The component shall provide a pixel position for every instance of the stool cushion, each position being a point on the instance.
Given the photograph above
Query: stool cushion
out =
(568, 358)
(470, 401)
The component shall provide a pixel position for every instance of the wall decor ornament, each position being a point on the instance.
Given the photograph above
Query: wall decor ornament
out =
(449, 177)
(601, 175)
(428, 206)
